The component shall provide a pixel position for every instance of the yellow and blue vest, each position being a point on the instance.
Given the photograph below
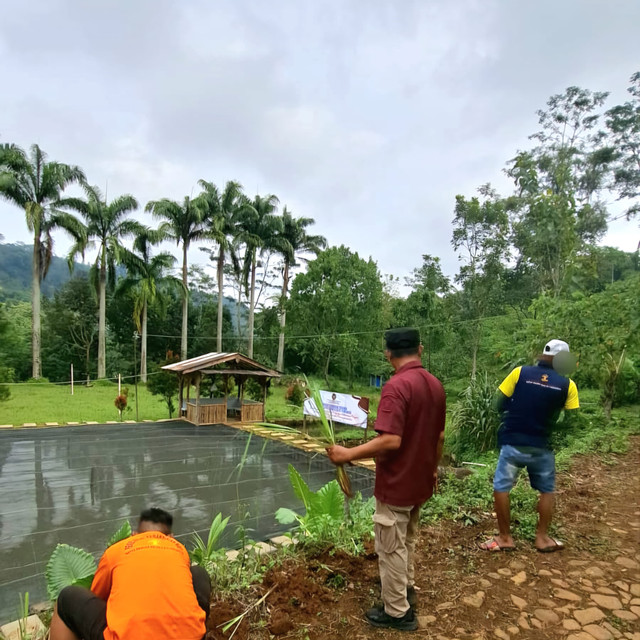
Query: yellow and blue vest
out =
(535, 396)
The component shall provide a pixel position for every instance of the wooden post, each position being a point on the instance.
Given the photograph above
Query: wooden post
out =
(241, 399)
(180, 394)
(119, 384)
(225, 382)
(264, 399)
(198, 399)
(72, 380)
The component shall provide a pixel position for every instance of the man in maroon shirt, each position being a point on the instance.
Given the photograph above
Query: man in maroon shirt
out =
(408, 447)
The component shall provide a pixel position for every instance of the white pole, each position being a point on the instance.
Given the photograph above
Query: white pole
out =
(119, 383)
(72, 378)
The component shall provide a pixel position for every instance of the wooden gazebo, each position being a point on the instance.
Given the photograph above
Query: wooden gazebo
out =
(220, 410)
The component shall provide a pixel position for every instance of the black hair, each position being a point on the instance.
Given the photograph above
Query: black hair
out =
(407, 351)
(158, 516)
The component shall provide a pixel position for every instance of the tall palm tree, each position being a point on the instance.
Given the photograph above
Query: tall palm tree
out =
(259, 230)
(186, 225)
(294, 240)
(106, 225)
(145, 275)
(222, 211)
(33, 184)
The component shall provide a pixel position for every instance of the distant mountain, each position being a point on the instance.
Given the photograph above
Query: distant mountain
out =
(15, 272)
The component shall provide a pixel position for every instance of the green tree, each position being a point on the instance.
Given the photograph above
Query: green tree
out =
(165, 383)
(480, 236)
(32, 183)
(623, 123)
(106, 224)
(222, 211)
(294, 240)
(70, 329)
(146, 275)
(186, 225)
(336, 311)
(556, 210)
(257, 229)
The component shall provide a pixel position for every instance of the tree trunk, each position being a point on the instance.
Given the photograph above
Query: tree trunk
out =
(102, 315)
(220, 288)
(326, 369)
(36, 362)
(185, 304)
(143, 344)
(252, 303)
(283, 317)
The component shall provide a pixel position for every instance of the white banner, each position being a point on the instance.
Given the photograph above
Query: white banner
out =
(340, 407)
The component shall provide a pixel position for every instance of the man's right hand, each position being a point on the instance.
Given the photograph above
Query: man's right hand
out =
(338, 454)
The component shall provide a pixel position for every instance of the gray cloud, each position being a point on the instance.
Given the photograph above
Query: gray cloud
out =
(369, 116)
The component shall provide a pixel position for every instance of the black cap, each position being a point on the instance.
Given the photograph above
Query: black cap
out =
(403, 338)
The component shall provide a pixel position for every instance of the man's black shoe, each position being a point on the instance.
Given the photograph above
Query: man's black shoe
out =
(378, 617)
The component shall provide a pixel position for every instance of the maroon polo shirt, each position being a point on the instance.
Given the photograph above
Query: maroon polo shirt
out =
(412, 406)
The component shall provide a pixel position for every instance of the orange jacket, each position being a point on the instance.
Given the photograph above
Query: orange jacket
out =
(147, 584)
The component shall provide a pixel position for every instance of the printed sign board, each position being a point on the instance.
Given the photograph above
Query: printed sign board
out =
(340, 407)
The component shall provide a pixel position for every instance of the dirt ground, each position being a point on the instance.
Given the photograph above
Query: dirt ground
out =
(590, 590)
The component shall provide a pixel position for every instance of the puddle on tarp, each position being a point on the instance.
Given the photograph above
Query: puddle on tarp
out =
(78, 484)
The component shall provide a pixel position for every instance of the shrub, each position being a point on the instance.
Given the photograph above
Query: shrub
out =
(38, 381)
(627, 385)
(295, 394)
(164, 383)
(474, 420)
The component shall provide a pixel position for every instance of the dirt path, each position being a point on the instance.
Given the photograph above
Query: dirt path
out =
(591, 590)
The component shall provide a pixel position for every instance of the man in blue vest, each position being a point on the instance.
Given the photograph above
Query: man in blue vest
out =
(531, 399)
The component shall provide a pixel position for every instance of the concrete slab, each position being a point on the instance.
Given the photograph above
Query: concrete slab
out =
(111, 422)
(6, 426)
(129, 421)
(232, 555)
(73, 423)
(91, 422)
(34, 629)
(29, 424)
(282, 541)
(262, 548)
(51, 424)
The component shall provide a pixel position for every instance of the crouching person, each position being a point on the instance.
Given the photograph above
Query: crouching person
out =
(144, 589)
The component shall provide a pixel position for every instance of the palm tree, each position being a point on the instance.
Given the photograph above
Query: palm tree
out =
(186, 225)
(293, 240)
(259, 230)
(33, 184)
(145, 274)
(222, 212)
(106, 225)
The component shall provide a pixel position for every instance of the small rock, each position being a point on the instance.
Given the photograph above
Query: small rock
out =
(424, 621)
(586, 582)
(476, 600)
(635, 602)
(570, 625)
(611, 629)
(544, 572)
(599, 633)
(625, 597)
(635, 610)
(545, 602)
(546, 616)
(587, 616)
(485, 584)
(594, 572)
(607, 591)
(444, 605)
(495, 576)
(499, 633)
(519, 578)
(523, 623)
(589, 589)
(514, 631)
(627, 563)
(621, 585)
(565, 611)
(519, 602)
(504, 571)
(581, 635)
(563, 594)
(608, 602)
(536, 623)
(517, 565)
(635, 590)
(560, 583)
(577, 563)
(557, 572)
(625, 615)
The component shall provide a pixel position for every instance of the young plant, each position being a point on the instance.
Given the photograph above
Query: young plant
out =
(203, 553)
(23, 613)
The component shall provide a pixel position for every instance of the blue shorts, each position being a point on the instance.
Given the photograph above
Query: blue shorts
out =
(540, 464)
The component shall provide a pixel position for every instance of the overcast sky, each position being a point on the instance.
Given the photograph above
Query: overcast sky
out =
(368, 115)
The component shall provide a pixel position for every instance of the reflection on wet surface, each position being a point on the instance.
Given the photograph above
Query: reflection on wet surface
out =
(78, 484)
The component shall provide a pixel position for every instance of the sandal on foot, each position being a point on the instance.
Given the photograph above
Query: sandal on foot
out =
(493, 545)
(556, 546)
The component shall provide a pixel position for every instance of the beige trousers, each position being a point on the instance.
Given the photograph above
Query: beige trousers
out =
(395, 529)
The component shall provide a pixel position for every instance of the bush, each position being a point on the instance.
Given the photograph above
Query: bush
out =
(38, 381)
(627, 386)
(474, 420)
(295, 394)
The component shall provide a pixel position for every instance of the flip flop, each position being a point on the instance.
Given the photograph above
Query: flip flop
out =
(556, 546)
(494, 546)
